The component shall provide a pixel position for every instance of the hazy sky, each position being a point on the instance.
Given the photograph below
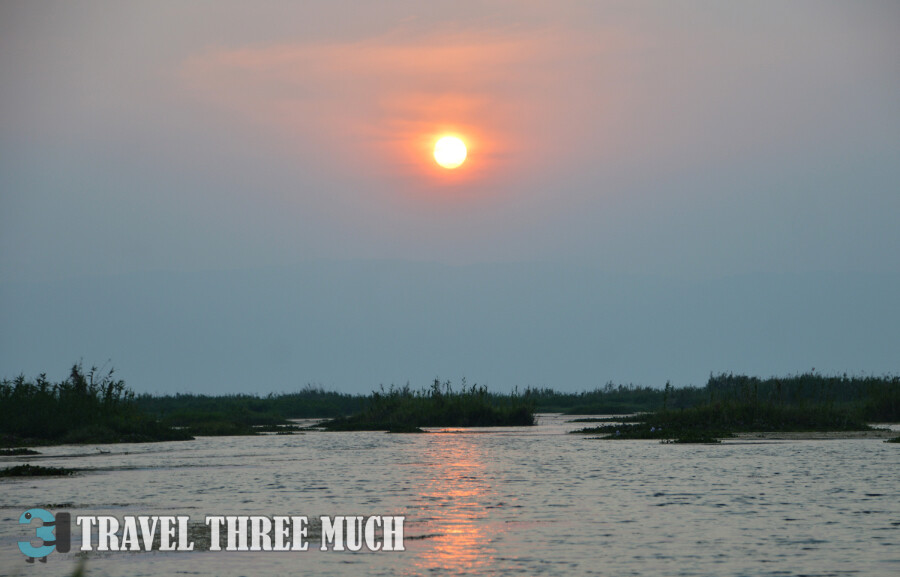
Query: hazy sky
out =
(237, 196)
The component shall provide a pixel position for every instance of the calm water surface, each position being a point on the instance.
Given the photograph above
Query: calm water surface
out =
(514, 501)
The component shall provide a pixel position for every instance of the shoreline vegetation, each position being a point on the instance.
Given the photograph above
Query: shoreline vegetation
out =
(87, 407)
(738, 405)
(404, 410)
(36, 471)
(94, 407)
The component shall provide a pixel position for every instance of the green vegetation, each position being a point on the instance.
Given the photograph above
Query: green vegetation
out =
(736, 404)
(203, 415)
(614, 399)
(18, 451)
(871, 399)
(875, 399)
(210, 424)
(35, 471)
(405, 410)
(87, 407)
(720, 420)
(894, 440)
(309, 402)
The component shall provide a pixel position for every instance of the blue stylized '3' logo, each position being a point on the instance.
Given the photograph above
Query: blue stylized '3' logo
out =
(50, 541)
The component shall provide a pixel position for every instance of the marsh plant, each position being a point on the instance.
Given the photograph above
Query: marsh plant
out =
(94, 407)
(404, 409)
(737, 403)
(35, 471)
(87, 407)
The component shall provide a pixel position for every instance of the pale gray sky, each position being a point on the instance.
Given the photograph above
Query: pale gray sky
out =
(232, 196)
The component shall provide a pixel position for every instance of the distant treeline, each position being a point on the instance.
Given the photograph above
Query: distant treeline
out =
(242, 414)
(614, 399)
(736, 403)
(316, 402)
(90, 407)
(85, 407)
(872, 399)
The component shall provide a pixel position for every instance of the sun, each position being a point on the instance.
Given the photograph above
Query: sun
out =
(450, 152)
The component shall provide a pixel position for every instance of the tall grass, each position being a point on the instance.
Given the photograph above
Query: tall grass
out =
(93, 406)
(807, 402)
(88, 406)
(871, 398)
(309, 402)
(400, 409)
(612, 399)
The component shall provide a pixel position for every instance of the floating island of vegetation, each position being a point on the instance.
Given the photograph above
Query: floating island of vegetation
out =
(35, 471)
(87, 407)
(737, 404)
(403, 410)
(17, 452)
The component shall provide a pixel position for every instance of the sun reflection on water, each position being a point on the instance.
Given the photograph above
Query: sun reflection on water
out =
(454, 500)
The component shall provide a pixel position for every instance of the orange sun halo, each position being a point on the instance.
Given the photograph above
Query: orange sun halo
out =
(450, 152)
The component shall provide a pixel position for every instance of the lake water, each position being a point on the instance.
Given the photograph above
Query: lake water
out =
(512, 501)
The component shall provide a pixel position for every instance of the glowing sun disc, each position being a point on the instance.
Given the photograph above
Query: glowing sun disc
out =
(450, 152)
